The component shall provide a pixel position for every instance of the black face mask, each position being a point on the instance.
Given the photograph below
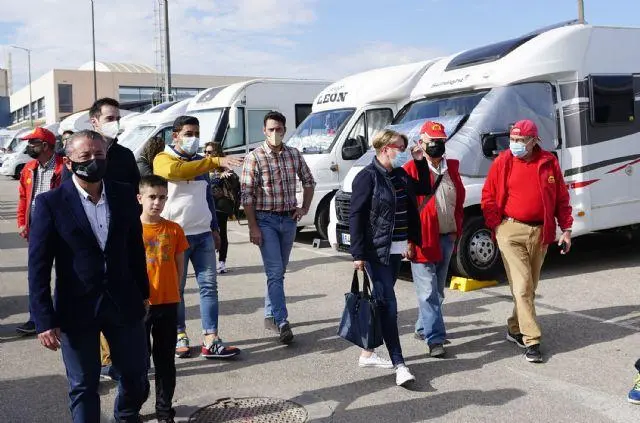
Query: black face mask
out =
(32, 152)
(91, 170)
(435, 149)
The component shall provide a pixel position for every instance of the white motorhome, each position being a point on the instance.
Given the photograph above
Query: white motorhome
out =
(345, 117)
(80, 121)
(158, 123)
(578, 83)
(233, 115)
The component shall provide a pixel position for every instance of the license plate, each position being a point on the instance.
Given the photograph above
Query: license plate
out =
(346, 239)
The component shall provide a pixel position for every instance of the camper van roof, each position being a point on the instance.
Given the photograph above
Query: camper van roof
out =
(227, 95)
(169, 114)
(390, 83)
(492, 52)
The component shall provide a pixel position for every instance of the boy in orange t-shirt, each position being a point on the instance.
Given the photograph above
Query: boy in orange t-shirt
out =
(165, 243)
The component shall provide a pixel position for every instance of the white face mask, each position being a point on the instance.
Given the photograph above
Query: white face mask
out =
(275, 139)
(190, 145)
(110, 129)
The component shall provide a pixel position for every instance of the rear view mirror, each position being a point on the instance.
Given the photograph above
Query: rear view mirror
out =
(354, 148)
(494, 142)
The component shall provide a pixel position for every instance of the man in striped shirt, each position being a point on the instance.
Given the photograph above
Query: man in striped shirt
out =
(268, 182)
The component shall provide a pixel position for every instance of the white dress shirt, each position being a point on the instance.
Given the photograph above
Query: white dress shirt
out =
(97, 214)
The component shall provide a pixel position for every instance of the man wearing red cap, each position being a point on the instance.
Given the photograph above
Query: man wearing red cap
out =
(441, 213)
(39, 175)
(523, 197)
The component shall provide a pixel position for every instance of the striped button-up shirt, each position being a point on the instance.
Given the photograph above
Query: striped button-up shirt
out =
(269, 178)
(42, 179)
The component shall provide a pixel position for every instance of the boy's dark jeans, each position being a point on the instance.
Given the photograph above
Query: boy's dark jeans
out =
(161, 322)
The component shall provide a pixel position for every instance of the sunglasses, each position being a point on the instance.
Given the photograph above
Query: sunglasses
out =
(208, 152)
(397, 147)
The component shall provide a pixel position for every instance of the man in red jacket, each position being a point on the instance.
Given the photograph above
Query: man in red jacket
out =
(38, 176)
(441, 214)
(522, 198)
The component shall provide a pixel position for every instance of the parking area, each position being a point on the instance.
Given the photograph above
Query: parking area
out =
(588, 303)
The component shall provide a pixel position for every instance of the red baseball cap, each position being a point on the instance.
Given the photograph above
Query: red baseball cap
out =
(525, 128)
(433, 129)
(41, 134)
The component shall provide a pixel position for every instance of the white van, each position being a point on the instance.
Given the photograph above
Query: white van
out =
(81, 121)
(345, 117)
(578, 83)
(158, 123)
(234, 115)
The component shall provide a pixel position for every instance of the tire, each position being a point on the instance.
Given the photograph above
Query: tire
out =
(478, 256)
(322, 220)
(19, 168)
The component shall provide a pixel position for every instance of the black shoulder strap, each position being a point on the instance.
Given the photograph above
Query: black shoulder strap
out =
(426, 198)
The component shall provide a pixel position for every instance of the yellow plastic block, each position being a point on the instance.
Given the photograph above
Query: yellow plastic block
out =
(464, 284)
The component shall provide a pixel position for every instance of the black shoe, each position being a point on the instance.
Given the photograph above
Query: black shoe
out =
(28, 328)
(270, 324)
(286, 335)
(516, 339)
(533, 354)
(419, 336)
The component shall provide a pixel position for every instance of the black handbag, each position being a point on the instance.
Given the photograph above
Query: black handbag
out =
(360, 322)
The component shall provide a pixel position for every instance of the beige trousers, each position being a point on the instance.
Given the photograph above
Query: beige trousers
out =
(523, 254)
(105, 353)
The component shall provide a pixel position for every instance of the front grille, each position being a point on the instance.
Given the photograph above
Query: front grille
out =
(343, 204)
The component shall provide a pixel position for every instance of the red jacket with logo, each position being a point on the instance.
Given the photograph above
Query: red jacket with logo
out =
(429, 251)
(555, 196)
(25, 189)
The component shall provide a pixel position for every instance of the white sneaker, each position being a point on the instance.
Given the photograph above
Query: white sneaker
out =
(404, 376)
(221, 267)
(375, 361)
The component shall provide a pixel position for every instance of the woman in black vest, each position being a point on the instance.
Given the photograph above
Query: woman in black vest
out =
(383, 220)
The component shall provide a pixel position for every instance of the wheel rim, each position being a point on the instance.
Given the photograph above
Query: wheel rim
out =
(482, 249)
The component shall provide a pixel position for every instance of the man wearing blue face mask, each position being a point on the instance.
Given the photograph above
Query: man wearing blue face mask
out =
(190, 204)
(522, 199)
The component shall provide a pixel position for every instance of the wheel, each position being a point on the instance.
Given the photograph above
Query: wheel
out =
(19, 168)
(478, 256)
(322, 221)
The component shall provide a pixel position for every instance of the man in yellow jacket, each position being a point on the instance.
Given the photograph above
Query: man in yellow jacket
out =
(190, 204)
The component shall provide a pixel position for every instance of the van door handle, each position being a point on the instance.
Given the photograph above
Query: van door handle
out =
(333, 167)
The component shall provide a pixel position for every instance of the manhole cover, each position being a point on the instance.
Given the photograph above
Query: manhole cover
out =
(254, 410)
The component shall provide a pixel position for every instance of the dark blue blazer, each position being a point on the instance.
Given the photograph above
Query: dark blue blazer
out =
(60, 232)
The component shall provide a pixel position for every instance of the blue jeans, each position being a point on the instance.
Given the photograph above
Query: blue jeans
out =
(202, 253)
(383, 279)
(278, 234)
(129, 354)
(429, 280)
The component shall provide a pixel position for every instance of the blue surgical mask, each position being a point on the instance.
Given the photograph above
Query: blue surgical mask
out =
(190, 145)
(518, 149)
(400, 159)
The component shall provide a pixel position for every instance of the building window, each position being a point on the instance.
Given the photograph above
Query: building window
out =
(40, 109)
(19, 115)
(612, 99)
(65, 98)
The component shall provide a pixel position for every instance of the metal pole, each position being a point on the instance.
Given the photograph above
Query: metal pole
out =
(30, 96)
(167, 57)
(581, 11)
(93, 41)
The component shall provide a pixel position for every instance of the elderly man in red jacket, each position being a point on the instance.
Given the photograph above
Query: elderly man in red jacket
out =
(39, 175)
(441, 214)
(522, 198)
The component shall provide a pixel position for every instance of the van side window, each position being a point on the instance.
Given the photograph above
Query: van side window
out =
(302, 111)
(612, 99)
(235, 136)
(255, 125)
(377, 119)
(356, 143)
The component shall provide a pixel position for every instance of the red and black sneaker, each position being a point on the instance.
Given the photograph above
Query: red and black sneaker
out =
(218, 350)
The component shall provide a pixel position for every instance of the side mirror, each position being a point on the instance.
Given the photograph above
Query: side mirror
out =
(494, 142)
(233, 117)
(353, 148)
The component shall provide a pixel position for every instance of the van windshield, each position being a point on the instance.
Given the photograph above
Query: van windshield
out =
(317, 133)
(457, 105)
(136, 136)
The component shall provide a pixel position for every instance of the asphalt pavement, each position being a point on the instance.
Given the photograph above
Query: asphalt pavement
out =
(588, 307)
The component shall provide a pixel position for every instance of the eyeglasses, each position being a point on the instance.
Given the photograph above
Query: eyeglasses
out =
(521, 140)
(402, 148)
(208, 152)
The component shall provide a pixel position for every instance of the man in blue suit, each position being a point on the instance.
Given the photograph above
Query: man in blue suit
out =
(92, 230)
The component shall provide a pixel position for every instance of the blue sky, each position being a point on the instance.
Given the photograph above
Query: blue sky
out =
(298, 38)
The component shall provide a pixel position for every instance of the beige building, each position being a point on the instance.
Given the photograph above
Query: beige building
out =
(61, 92)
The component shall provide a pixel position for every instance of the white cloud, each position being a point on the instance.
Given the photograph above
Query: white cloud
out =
(241, 37)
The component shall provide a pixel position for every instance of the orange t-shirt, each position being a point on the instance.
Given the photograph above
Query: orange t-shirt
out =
(162, 241)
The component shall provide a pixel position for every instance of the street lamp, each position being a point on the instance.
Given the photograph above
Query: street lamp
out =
(93, 42)
(30, 97)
